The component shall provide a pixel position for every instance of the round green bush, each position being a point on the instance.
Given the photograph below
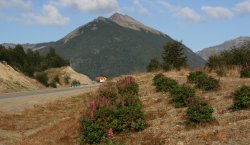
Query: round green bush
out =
(242, 98)
(203, 81)
(180, 95)
(90, 132)
(164, 84)
(199, 111)
(245, 73)
(194, 77)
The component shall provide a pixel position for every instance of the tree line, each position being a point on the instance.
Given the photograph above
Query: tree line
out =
(172, 56)
(31, 61)
(234, 57)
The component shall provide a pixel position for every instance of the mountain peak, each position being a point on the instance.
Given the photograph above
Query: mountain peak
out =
(129, 22)
(121, 17)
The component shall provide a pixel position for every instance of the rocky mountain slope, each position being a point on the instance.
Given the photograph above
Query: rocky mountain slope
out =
(13, 81)
(227, 45)
(113, 46)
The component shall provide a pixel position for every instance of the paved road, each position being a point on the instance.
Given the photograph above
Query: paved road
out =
(47, 92)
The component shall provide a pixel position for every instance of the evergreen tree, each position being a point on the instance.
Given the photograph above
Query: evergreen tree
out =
(153, 65)
(173, 57)
(32, 61)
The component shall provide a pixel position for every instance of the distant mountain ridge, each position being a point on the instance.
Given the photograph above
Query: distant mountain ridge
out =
(114, 46)
(227, 45)
(28, 45)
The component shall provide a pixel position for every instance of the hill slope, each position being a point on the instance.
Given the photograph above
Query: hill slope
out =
(13, 81)
(114, 46)
(227, 45)
(67, 72)
(58, 123)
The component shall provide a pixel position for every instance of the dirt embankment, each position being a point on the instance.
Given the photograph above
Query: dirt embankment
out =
(67, 75)
(13, 81)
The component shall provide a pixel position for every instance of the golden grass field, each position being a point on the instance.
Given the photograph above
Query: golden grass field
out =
(58, 123)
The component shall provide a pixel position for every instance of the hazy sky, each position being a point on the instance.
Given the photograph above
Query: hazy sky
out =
(198, 23)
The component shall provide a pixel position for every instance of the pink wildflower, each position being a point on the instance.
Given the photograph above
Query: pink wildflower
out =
(110, 133)
(92, 117)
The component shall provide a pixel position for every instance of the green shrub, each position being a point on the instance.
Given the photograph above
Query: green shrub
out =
(109, 90)
(117, 109)
(139, 124)
(203, 81)
(163, 83)
(194, 77)
(75, 83)
(154, 65)
(180, 95)
(245, 73)
(208, 83)
(242, 98)
(42, 78)
(53, 84)
(199, 111)
(158, 81)
(90, 133)
(127, 86)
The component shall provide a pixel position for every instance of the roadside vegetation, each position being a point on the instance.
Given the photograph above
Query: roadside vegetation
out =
(114, 110)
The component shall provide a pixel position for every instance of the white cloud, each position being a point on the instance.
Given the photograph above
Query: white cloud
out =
(188, 14)
(217, 13)
(167, 6)
(93, 6)
(50, 16)
(243, 7)
(185, 13)
(19, 4)
(139, 8)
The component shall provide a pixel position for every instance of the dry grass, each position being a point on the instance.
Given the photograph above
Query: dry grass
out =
(166, 124)
(54, 123)
(233, 72)
(58, 123)
(13, 81)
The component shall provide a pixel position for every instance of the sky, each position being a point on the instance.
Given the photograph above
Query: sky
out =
(197, 23)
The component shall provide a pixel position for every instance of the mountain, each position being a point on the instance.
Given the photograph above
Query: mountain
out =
(114, 46)
(227, 45)
(28, 46)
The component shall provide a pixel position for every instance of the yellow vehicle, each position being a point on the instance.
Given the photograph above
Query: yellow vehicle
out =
(101, 79)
